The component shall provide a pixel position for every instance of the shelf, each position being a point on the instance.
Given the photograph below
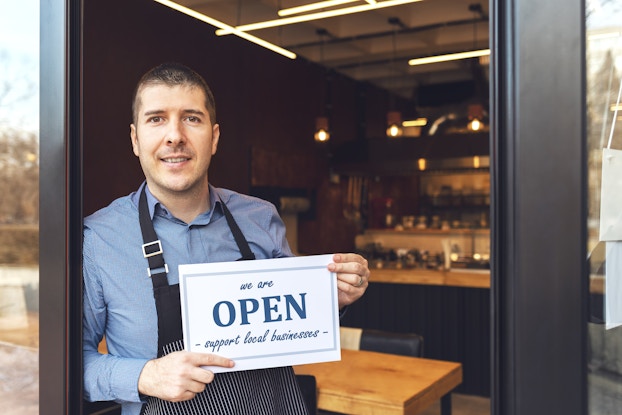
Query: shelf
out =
(414, 231)
(456, 202)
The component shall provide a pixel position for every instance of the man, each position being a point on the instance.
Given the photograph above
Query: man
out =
(132, 249)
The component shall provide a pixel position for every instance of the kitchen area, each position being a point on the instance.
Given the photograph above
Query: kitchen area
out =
(427, 238)
(448, 231)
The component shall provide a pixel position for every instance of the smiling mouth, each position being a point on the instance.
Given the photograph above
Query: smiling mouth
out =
(175, 159)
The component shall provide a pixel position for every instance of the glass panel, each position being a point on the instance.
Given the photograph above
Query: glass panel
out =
(19, 207)
(604, 129)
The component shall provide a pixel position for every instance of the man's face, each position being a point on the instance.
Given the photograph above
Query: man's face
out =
(174, 139)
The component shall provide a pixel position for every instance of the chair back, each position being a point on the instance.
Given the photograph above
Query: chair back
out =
(406, 344)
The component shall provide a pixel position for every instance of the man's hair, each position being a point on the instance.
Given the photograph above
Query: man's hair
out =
(174, 74)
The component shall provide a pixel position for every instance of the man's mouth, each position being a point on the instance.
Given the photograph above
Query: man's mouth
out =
(175, 159)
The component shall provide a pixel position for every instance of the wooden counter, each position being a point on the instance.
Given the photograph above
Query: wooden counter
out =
(454, 278)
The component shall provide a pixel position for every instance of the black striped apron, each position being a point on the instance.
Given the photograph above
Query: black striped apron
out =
(272, 391)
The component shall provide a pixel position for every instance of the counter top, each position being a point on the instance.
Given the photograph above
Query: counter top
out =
(453, 278)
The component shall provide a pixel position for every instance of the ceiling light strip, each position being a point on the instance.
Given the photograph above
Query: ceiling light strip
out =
(315, 16)
(449, 57)
(419, 122)
(313, 6)
(221, 25)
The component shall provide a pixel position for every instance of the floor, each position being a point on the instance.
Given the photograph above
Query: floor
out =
(19, 369)
(604, 393)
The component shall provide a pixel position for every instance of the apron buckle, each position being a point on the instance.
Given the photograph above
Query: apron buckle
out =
(165, 269)
(155, 248)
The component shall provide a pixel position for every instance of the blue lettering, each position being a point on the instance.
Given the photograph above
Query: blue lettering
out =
(249, 306)
(244, 311)
(301, 310)
(216, 314)
(268, 308)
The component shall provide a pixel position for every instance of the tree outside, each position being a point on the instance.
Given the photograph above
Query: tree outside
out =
(19, 207)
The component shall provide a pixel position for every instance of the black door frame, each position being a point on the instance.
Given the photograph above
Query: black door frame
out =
(539, 277)
(539, 273)
(60, 218)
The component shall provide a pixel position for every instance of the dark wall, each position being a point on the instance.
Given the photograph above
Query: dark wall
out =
(263, 100)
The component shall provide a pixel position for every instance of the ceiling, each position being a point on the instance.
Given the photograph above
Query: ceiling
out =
(375, 46)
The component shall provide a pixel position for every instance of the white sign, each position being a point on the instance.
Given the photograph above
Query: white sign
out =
(262, 313)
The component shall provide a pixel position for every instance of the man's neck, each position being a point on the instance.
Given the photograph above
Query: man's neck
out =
(185, 206)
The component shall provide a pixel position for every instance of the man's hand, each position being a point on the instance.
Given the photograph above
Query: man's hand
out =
(352, 277)
(179, 376)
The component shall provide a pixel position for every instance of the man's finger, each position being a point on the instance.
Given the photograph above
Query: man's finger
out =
(207, 359)
(202, 375)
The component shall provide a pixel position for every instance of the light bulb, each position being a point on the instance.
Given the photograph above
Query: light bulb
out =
(394, 130)
(421, 163)
(475, 125)
(321, 130)
(321, 135)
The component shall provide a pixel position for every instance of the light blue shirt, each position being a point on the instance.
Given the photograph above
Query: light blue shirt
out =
(118, 293)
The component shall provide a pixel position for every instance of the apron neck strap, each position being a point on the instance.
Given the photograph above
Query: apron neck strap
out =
(152, 246)
(247, 254)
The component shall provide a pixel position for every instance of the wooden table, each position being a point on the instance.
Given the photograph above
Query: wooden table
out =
(366, 383)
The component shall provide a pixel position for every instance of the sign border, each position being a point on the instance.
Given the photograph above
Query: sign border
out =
(188, 272)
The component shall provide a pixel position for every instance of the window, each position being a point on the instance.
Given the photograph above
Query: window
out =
(19, 215)
(604, 129)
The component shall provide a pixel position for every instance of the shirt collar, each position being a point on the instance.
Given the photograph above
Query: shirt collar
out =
(155, 205)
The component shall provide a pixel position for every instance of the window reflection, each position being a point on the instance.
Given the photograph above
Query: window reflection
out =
(604, 126)
(19, 204)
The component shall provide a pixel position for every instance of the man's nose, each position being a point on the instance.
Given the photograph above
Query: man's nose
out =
(175, 133)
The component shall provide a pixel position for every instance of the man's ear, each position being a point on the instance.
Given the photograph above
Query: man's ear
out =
(215, 137)
(134, 139)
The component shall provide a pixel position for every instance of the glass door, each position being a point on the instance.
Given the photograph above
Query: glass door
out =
(604, 141)
(19, 207)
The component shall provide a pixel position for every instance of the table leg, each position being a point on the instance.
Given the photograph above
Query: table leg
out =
(446, 404)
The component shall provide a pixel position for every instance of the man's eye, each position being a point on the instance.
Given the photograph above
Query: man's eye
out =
(193, 119)
(154, 119)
